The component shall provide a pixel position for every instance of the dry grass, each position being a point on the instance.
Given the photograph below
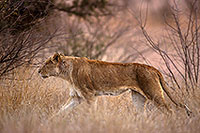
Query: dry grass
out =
(27, 105)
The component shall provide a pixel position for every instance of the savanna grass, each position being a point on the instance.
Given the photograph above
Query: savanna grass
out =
(27, 103)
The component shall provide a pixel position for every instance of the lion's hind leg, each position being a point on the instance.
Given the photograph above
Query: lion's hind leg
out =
(139, 101)
(152, 89)
(158, 99)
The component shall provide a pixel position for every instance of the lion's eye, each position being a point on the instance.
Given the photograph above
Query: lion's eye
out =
(48, 62)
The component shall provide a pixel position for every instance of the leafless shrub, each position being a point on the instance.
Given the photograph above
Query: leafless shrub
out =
(193, 5)
(182, 35)
(21, 36)
(17, 50)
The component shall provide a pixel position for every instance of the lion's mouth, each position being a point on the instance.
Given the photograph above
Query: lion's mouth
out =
(44, 77)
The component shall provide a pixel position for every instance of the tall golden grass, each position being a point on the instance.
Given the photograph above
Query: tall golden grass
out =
(27, 103)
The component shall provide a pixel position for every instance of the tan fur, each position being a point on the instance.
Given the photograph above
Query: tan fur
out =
(90, 78)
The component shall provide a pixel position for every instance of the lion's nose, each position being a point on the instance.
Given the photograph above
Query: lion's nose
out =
(39, 70)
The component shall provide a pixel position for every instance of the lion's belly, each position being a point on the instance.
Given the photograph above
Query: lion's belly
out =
(112, 92)
(117, 91)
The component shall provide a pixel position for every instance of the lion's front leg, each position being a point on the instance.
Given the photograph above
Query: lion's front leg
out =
(71, 103)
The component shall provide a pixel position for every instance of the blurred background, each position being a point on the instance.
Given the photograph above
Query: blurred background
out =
(161, 33)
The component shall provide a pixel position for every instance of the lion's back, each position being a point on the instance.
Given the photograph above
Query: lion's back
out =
(105, 74)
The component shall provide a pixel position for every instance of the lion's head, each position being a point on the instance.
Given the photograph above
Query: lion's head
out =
(51, 66)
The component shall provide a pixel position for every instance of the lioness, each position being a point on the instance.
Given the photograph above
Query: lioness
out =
(90, 78)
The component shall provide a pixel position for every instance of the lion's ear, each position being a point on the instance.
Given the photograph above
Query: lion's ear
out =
(56, 58)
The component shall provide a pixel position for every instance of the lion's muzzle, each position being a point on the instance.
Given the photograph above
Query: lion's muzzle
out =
(43, 76)
(39, 71)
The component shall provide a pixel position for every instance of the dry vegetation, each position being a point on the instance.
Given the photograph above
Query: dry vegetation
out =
(28, 102)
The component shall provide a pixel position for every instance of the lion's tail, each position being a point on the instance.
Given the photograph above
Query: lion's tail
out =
(166, 90)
